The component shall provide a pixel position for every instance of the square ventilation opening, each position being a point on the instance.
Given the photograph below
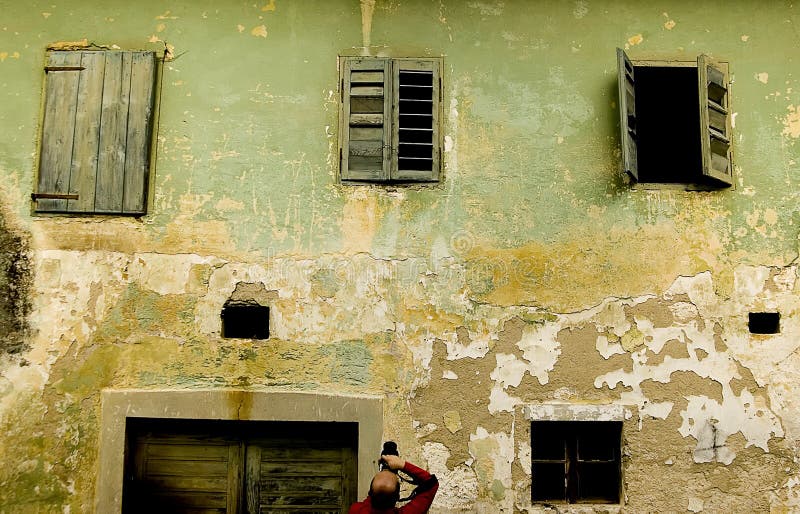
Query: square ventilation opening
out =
(764, 322)
(245, 320)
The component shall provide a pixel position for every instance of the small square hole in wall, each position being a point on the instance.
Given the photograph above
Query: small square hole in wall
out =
(764, 322)
(245, 320)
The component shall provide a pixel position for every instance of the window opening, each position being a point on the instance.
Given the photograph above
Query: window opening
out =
(245, 320)
(576, 461)
(764, 322)
(389, 120)
(675, 121)
(187, 465)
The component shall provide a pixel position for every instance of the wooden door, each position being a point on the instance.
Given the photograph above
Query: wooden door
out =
(196, 466)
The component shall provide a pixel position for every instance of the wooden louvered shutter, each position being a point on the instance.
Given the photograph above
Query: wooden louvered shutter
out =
(715, 120)
(96, 135)
(415, 135)
(627, 114)
(287, 477)
(185, 473)
(366, 119)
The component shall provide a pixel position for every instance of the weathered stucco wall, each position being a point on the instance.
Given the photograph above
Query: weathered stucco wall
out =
(532, 274)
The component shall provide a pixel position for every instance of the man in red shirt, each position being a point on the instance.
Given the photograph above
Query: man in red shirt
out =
(384, 491)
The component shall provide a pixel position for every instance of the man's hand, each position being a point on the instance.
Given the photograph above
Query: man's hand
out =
(393, 461)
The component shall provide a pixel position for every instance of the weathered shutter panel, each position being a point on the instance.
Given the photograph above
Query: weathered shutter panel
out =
(286, 477)
(366, 119)
(715, 120)
(183, 473)
(97, 131)
(415, 131)
(627, 114)
(55, 160)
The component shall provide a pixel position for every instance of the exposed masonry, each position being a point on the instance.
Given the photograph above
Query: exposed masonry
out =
(646, 340)
(15, 283)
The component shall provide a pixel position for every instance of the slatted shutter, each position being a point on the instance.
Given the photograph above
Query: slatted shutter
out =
(366, 119)
(96, 135)
(415, 134)
(240, 467)
(627, 114)
(181, 473)
(715, 120)
(287, 477)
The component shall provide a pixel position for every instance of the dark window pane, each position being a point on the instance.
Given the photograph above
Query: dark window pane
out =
(549, 482)
(598, 482)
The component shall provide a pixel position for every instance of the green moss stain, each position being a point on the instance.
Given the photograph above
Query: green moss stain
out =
(351, 362)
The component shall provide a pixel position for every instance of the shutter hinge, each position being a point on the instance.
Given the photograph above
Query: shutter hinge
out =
(53, 196)
(341, 91)
(64, 68)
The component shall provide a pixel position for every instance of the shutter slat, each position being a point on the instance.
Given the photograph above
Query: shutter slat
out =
(87, 132)
(715, 120)
(366, 101)
(627, 114)
(58, 130)
(139, 129)
(113, 133)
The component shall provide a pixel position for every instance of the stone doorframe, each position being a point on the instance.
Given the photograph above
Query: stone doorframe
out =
(227, 404)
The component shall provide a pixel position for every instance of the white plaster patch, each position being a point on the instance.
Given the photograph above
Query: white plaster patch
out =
(574, 412)
(488, 8)
(449, 375)
(448, 143)
(165, 274)
(695, 504)
(458, 487)
(509, 370)
(500, 401)
(541, 349)
(494, 453)
(581, 9)
(762, 77)
(749, 281)
(710, 423)
(477, 348)
(606, 349)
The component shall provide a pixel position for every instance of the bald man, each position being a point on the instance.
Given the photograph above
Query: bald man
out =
(384, 491)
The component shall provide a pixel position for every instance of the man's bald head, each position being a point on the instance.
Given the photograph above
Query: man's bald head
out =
(384, 489)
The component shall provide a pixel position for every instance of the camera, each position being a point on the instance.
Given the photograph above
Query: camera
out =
(389, 448)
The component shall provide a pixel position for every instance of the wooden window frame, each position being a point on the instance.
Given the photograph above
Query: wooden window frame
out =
(118, 405)
(710, 73)
(574, 435)
(97, 132)
(395, 136)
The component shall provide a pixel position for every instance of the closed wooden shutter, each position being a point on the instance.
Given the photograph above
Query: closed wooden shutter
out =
(415, 135)
(715, 120)
(96, 134)
(366, 119)
(185, 473)
(230, 467)
(284, 477)
(627, 114)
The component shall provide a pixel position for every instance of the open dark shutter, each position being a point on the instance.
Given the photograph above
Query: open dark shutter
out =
(63, 72)
(415, 134)
(715, 120)
(96, 135)
(366, 119)
(627, 114)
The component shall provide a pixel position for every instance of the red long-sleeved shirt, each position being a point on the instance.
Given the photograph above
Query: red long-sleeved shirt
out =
(419, 504)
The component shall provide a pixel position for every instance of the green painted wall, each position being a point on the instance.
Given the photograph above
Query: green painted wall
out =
(533, 245)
